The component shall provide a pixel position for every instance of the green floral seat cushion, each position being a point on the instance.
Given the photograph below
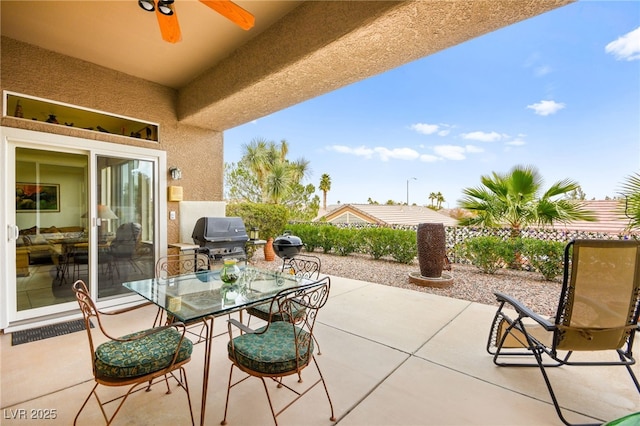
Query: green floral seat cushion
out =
(272, 352)
(137, 358)
(262, 312)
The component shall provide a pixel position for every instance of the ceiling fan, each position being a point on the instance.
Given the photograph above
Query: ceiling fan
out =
(168, 19)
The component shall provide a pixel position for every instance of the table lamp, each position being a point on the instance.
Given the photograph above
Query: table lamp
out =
(105, 214)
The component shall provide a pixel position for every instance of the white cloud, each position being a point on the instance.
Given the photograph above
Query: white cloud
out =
(385, 154)
(424, 128)
(626, 47)
(442, 152)
(450, 152)
(428, 158)
(542, 70)
(396, 153)
(473, 148)
(516, 142)
(360, 151)
(483, 136)
(430, 129)
(546, 107)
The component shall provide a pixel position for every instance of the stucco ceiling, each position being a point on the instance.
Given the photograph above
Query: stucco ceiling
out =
(225, 76)
(118, 34)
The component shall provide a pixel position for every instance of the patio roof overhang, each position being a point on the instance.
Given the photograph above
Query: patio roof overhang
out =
(221, 77)
(322, 46)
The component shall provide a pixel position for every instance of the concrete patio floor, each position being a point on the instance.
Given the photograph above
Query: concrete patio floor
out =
(390, 356)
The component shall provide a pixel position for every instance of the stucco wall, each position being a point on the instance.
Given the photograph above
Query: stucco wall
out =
(36, 72)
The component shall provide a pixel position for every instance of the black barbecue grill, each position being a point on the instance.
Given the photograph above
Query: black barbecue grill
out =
(287, 246)
(221, 237)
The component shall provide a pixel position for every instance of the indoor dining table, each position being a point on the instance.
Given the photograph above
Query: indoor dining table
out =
(202, 296)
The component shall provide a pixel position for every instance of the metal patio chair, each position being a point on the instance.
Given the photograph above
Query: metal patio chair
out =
(135, 360)
(173, 265)
(280, 348)
(598, 311)
(302, 266)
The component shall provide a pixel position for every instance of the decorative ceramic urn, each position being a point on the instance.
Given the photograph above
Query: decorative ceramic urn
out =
(431, 241)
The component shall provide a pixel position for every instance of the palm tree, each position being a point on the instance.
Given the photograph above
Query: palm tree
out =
(276, 176)
(631, 192)
(432, 197)
(513, 200)
(325, 186)
(255, 156)
(440, 199)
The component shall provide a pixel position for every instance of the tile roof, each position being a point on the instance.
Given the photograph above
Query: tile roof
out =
(386, 215)
(609, 214)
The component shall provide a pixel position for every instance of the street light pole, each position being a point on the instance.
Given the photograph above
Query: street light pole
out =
(408, 188)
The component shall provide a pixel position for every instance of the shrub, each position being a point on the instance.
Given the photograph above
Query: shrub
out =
(327, 237)
(546, 257)
(376, 241)
(345, 241)
(308, 233)
(271, 219)
(487, 253)
(404, 248)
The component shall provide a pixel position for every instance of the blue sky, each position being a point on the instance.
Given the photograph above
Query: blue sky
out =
(560, 91)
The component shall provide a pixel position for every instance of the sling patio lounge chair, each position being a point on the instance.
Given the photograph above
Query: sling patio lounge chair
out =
(598, 312)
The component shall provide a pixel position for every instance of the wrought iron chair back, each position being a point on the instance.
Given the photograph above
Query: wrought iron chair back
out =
(162, 351)
(303, 266)
(259, 353)
(172, 265)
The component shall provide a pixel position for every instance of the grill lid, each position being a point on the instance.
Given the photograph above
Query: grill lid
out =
(287, 239)
(287, 245)
(219, 229)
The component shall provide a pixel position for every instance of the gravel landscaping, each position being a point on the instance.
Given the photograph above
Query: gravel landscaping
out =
(469, 283)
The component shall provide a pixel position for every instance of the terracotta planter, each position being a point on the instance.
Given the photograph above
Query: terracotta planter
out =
(269, 252)
(431, 240)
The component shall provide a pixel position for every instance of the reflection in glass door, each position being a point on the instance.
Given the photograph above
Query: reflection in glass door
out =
(125, 222)
(51, 217)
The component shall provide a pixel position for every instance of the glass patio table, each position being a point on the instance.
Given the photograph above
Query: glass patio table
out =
(202, 296)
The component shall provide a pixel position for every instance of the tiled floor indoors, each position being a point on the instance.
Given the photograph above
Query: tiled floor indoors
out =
(390, 356)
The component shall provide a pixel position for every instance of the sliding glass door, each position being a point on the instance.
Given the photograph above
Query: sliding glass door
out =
(125, 220)
(51, 202)
(76, 209)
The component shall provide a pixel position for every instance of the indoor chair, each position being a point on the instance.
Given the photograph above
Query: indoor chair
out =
(172, 265)
(280, 348)
(598, 311)
(124, 246)
(135, 360)
(302, 266)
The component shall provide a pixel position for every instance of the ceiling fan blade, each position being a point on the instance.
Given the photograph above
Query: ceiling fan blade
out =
(233, 12)
(169, 26)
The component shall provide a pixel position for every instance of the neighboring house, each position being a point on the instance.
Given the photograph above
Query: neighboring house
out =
(610, 218)
(385, 215)
(609, 214)
(100, 111)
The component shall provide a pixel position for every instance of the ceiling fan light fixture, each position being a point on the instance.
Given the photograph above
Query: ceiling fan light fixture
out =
(147, 5)
(166, 7)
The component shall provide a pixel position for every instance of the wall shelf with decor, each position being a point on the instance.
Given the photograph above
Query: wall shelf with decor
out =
(61, 114)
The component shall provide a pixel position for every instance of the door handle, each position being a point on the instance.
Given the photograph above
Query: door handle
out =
(13, 232)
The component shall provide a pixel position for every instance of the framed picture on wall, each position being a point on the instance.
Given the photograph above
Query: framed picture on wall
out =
(33, 197)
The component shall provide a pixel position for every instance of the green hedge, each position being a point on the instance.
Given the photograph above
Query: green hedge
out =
(487, 248)
(546, 257)
(486, 253)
